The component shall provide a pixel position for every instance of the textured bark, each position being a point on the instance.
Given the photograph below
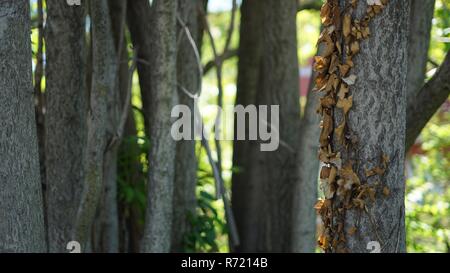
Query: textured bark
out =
(377, 122)
(139, 23)
(65, 118)
(158, 222)
(107, 226)
(418, 44)
(244, 197)
(268, 191)
(305, 190)
(21, 205)
(184, 202)
(426, 102)
(104, 69)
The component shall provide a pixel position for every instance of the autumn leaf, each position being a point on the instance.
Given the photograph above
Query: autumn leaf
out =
(354, 47)
(333, 174)
(345, 104)
(320, 63)
(350, 80)
(347, 25)
(343, 91)
(374, 2)
(386, 191)
(339, 131)
(352, 231)
(327, 128)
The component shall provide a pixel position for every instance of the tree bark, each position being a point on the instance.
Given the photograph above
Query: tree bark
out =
(263, 201)
(107, 225)
(104, 71)
(420, 19)
(244, 197)
(377, 128)
(65, 118)
(158, 222)
(185, 201)
(21, 204)
(305, 189)
(139, 24)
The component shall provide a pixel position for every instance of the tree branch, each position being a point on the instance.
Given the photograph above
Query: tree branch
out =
(432, 95)
(221, 58)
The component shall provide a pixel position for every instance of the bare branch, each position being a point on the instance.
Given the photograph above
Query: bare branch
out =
(432, 95)
(225, 56)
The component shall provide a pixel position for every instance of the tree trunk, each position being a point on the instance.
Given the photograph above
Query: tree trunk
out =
(266, 199)
(376, 130)
(244, 194)
(21, 208)
(107, 225)
(158, 222)
(420, 19)
(305, 190)
(139, 23)
(65, 118)
(184, 202)
(104, 71)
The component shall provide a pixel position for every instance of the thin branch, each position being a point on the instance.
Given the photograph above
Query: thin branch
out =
(194, 48)
(432, 95)
(225, 56)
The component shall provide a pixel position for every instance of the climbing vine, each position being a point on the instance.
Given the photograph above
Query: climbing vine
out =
(342, 187)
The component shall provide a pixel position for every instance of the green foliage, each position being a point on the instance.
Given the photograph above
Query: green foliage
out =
(132, 175)
(208, 228)
(428, 190)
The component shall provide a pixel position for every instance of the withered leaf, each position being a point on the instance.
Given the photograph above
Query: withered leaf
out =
(354, 47)
(352, 231)
(325, 172)
(325, 14)
(386, 191)
(374, 2)
(344, 68)
(327, 128)
(320, 82)
(346, 28)
(345, 104)
(350, 80)
(343, 91)
(321, 63)
(327, 102)
(339, 131)
(333, 174)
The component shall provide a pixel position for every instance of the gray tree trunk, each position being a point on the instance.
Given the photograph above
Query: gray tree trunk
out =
(244, 196)
(305, 190)
(158, 222)
(184, 202)
(269, 190)
(107, 225)
(420, 19)
(21, 204)
(377, 123)
(65, 118)
(140, 26)
(104, 71)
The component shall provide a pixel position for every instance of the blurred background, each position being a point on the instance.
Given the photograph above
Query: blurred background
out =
(427, 165)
